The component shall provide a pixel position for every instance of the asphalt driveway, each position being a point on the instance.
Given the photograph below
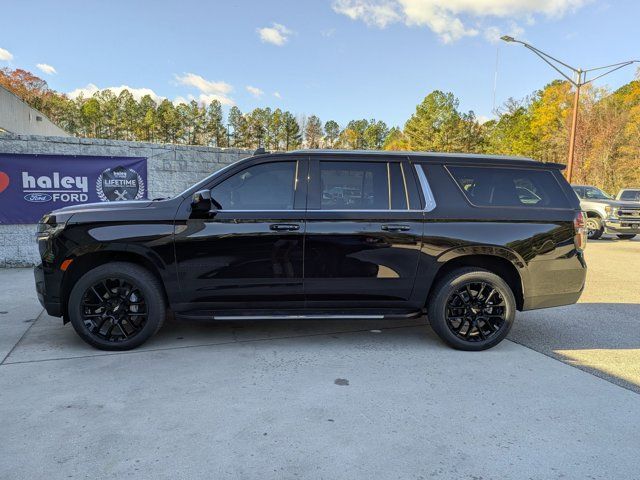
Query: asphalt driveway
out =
(329, 399)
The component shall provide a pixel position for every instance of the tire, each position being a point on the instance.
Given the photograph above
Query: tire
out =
(474, 333)
(627, 236)
(122, 296)
(594, 228)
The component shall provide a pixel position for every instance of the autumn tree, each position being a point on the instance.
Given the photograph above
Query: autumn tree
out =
(395, 140)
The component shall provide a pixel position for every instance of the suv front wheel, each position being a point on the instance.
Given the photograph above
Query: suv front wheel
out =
(471, 309)
(594, 228)
(117, 306)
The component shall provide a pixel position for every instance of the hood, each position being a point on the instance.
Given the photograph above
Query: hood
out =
(64, 214)
(102, 206)
(613, 203)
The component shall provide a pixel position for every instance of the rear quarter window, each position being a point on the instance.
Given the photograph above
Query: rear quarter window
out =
(509, 187)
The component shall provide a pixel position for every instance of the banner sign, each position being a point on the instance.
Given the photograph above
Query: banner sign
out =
(32, 185)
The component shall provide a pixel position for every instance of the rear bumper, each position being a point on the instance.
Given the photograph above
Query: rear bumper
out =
(553, 300)
(53, 308)
(622, 226)
(556, 282)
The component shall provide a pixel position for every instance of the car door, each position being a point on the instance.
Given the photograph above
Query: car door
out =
(363, 233)
(248, 251)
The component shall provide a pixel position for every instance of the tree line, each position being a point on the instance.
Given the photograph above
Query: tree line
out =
(607, 145)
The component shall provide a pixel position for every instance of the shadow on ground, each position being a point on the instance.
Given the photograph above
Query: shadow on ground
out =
(600, 338)
(48, 339)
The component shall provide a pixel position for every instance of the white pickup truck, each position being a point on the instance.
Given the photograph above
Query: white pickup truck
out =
(607, 215)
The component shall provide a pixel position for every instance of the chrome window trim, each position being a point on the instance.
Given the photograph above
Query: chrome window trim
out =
(430, 201)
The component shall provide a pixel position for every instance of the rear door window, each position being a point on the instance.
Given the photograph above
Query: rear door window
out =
(509, 187)
(354, 186)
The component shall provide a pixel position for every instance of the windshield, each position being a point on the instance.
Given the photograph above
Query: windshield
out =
(592, 193)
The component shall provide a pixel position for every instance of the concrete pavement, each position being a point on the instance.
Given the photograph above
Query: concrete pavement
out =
(601, 334)
(326, 399)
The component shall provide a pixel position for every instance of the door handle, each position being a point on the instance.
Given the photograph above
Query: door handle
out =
(284, 227)
(395, 227)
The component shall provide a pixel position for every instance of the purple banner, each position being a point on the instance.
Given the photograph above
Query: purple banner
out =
(32, 185)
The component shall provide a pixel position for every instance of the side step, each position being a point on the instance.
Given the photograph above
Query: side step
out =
(295, 317)
(226, 316)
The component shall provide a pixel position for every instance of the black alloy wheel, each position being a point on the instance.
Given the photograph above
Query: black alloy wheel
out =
(117, 306)
(476, 311)
(471, 309)
(114, 309)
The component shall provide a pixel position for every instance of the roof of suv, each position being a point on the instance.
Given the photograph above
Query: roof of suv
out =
(458, 157)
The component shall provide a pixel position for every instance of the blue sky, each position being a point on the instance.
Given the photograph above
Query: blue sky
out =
(339, 59)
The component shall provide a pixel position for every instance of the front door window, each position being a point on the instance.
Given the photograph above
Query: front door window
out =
(268, 186)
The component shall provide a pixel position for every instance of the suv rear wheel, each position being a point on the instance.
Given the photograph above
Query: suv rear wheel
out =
(471, 309)
(117, 306)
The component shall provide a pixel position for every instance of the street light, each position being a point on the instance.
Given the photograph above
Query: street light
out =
(579, 79)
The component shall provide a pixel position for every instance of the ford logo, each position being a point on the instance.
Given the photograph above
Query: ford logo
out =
(38, 197)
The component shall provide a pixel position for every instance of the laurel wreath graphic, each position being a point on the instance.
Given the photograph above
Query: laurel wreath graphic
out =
(103, 197)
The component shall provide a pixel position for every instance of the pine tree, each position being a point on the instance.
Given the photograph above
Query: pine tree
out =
(313, 132)
(291, 137)
(332, 132)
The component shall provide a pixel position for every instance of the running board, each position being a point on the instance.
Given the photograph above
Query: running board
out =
(295, 317)
(298, 316)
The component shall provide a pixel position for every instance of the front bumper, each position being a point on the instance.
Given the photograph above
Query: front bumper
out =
(53, 308)
(622, 226)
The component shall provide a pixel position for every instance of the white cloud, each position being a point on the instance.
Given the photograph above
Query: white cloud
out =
(209, 90)
(45, 68)
(255, 91)
(449, 19)
(277, 34)
(179, 99)
(207, 98)
(137, 93)
(5, 55)
(374, 13)
(277, 94)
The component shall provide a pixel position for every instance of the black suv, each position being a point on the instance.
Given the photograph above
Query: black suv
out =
(466, 239)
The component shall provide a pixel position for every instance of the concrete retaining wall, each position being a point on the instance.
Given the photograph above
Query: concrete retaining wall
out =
(171, 169)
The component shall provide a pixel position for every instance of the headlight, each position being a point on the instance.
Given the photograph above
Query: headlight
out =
(610, 211)
(48, 226)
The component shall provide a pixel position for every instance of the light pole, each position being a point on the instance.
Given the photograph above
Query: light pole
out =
(579, 79)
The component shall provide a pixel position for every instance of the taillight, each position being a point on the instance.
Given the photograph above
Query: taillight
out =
(580, 231)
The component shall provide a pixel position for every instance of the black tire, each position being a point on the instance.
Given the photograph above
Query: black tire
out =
(594, 228)
(626, 236)
(475, 332)
(129, 284)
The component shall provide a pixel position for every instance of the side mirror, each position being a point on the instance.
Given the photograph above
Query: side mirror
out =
(201, 201)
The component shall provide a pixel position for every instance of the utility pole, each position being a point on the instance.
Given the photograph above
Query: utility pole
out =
(578, 80)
